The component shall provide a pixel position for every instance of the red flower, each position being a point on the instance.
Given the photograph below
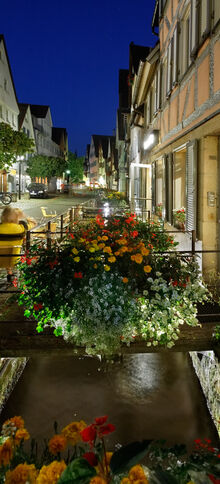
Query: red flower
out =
(78, 275)
(174, 283)
(71, 236)
(15, 282)
(134, 233)
(101, 420)
(37, 307)
(89, 434)
(213, 479)
(91, 458)
(106, 429)
(53, 263)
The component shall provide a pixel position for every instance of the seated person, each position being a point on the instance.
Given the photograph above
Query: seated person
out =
(11, 238)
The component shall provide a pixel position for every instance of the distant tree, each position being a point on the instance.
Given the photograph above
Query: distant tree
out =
(45, 166)
(75, 166)
(13, 144)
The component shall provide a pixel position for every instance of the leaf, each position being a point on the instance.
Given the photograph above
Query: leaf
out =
(78, 471)
(27, 313)
(128, 456)
(165, 477)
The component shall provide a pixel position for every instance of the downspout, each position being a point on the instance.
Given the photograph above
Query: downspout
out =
(137, 84)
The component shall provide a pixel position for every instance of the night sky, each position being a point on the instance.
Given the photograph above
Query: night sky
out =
(67, 54)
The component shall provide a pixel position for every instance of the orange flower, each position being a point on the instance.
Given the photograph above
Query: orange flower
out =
(144, 251)
(147, 269)
(123, 249)
(101, 246)
(57, 444)
(6, 452)
(108, 250)
(137, 472)
(117, 252)
(138, 258)
(125, 280)
(121, 241)
(16, 421)
(50, 474)
(97, 480)
(72, 432)
(104, 237)
(95, 266)
(112, 258)
(21, 434)
(22, 474)
(125, 480)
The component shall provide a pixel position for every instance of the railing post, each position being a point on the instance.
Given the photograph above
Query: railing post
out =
(71, 218)
(193, 242)
(49, 235)
(61, 227)
(28, 240)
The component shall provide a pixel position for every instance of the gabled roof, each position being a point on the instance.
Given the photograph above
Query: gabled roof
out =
(39, 111)
(23, 110)
(58, 133)
(137, 53)
(2, 39)
(103, 140)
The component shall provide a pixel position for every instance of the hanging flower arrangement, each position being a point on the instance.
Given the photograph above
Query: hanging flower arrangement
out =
(109, 283)
(78, 455)
(130, 79)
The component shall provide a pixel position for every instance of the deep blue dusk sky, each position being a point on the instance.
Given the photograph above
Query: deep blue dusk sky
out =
(67, 54)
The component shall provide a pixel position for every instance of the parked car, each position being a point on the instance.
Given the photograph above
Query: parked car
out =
(38, 190)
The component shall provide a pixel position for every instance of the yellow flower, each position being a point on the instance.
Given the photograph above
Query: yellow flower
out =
(108, 250)
(57, 444)
(117, 252)
(91, 249)
(98, 258)
(133, 257)
(121, 241)
(129, 249)
(22, 474)
(147, 269)
(125, 280)
(50, 474)
(125, 480)
(97, 480)
(138, 258)
(137, 472)
(6, 452)
(99, 238)
(112, 258)
(76, 259)
(106, 267)
(101, 246)
(144, 251)
(81, 240)
(123, 249)
(72, 431)
(75, 251)
(94, 242)
(95, 266)
(104, 237)
(21, 434)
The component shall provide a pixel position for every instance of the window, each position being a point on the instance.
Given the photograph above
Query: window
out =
(160, 187)
(169, 69)
(179, 179)
(184, 43)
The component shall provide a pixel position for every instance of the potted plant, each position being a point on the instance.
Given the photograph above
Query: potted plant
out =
(179, 217)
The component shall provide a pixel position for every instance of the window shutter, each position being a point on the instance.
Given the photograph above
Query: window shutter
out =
(216, 13)
(193, 27)
(204, 18)
(175, 56)
(153, 186)
(169, 69)
(169, 187)
(158, 101)
(148, 109)
(191, 185)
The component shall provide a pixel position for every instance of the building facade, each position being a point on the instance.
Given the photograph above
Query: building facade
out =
(179, 133)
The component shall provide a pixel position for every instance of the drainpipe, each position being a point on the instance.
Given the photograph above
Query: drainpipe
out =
(137, 84)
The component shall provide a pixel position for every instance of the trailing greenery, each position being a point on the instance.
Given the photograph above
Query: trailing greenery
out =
(110, 282)
(13, 144)
(75, 166)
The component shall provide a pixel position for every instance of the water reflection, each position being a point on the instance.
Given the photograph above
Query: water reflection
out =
(146, 396)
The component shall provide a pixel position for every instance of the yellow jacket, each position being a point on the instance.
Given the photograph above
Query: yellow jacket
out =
(11, 238)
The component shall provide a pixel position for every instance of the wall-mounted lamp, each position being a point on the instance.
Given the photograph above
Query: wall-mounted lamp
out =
(151, 139)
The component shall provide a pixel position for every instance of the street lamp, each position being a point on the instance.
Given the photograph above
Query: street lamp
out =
(68, 175)
(20, 159)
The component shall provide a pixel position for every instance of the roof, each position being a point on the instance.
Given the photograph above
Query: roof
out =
(2, 39)
(23, 110)
(39, 111)
(58, 133)
(103, 140)
(137, 53)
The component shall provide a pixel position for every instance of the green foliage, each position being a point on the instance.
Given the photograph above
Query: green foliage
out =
(216, 334)
(75, 166)
(78, 472)
(45, 166)
(13, 144)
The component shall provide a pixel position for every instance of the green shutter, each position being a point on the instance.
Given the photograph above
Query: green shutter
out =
(169, 187)
(153, 186)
